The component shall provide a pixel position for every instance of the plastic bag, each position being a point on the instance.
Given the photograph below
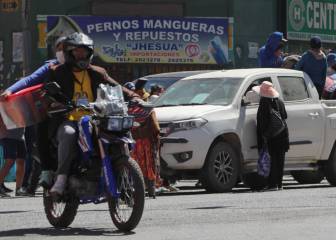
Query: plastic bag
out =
(110, 100)
(264, 162)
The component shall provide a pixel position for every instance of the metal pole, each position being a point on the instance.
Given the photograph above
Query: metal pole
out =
(25, 16)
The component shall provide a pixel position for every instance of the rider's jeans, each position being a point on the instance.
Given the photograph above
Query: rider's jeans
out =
(67, 136)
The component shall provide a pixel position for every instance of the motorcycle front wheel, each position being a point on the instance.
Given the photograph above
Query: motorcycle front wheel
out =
(126, 211)
(60, 214)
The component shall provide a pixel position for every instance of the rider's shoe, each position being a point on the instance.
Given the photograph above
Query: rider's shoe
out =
(59, 186)
(46, 179)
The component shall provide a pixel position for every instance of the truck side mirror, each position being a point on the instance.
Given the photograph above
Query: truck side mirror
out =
(245, 102)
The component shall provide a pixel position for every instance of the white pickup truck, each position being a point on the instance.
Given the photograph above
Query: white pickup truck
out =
(208, 128)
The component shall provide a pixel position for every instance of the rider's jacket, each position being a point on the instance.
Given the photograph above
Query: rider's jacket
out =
(62, 74)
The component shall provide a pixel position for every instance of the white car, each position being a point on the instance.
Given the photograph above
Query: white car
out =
(208, 128)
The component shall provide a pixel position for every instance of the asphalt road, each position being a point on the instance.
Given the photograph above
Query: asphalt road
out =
(297, 212)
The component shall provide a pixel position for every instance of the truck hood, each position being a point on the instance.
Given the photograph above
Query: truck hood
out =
(176, 113)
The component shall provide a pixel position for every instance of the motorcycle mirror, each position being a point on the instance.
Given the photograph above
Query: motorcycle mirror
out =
(97, 108)
(52, 88)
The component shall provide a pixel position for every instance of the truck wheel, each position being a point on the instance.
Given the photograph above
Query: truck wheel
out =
(308, 177)
(221, 169)
(254, 181)
(330, 169)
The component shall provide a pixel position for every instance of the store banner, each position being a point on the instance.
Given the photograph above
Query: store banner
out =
(307, 18)
(152, 39)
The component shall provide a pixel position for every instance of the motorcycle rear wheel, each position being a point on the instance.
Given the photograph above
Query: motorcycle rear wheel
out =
(59, 214)
(126, 211)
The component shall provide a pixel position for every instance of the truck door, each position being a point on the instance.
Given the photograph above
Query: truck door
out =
(304, 121)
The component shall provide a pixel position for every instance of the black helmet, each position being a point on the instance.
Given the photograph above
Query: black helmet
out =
(78, 40)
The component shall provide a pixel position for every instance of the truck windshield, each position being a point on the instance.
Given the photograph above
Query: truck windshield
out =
(217, 91)
(163, 82)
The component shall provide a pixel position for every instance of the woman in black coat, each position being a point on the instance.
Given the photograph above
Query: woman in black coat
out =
(277, 145)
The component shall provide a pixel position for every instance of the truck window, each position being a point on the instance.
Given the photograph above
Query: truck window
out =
(249, 95)
(293, 88)
(257, 82)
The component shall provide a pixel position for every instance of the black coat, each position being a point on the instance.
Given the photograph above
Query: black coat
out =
(280, 141)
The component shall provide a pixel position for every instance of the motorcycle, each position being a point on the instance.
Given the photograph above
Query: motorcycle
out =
(104, 172)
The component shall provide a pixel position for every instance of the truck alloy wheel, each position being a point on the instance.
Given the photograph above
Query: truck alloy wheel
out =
(220, 171)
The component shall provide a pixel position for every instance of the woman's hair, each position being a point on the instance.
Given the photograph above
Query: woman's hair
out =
(155, 88)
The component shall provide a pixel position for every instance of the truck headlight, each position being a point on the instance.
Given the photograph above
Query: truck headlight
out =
(187, 124)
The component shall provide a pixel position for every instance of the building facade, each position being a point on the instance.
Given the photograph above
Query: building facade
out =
(23, 23)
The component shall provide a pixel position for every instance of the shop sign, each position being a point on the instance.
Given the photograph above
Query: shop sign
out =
(9, 5)
(307, 18)
(152, 39)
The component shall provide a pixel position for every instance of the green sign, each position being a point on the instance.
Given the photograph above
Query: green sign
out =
(307, 18)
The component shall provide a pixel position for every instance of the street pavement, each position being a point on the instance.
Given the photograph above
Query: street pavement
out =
(297, 212)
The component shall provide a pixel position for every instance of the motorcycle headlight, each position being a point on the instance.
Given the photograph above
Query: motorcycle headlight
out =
(119, 123)
(128, 122)
(115, 124)
(187, 124)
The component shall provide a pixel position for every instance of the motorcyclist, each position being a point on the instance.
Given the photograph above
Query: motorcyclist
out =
(79, 81)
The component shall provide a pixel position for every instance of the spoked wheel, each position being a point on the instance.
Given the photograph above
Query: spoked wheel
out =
(126, 211)
(59, 213)
(220, 172)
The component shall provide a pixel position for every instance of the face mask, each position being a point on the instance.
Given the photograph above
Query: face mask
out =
(60, 57)
(82, 64)
(330, 71)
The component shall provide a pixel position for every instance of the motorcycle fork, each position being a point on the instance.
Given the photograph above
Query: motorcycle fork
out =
(108, 172)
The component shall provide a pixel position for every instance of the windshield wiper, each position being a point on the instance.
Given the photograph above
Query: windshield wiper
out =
(166, 105)
(190, 104)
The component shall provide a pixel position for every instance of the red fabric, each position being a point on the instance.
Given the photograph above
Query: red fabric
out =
(25, 91)
(144, 155)
(139, 113)
(24, 108)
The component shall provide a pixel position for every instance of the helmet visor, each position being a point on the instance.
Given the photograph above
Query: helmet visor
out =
(80, 53)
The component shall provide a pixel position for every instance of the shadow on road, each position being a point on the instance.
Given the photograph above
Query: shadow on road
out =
(63, 232)
(11, 212)
(208, 208)
(178, 193)
(298, 186)
(240, 188)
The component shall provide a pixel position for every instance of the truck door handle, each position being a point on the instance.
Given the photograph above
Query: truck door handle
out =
(314, 114)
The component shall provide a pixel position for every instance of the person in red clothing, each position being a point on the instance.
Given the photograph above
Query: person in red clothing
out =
(146, 151)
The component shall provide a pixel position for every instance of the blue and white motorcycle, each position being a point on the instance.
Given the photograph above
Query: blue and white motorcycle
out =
(104, 172)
